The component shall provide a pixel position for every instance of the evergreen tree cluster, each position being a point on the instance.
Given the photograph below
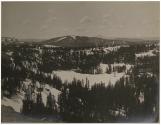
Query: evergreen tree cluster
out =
(133, 96)
(100, 103)
(34, 105)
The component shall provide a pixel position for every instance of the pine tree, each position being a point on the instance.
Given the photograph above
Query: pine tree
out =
(28, 101)
(39, 104)
(51, 104)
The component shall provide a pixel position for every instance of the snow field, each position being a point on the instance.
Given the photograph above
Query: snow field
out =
(16, 101)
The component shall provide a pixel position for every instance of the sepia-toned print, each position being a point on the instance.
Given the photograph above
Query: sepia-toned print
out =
(80, 62)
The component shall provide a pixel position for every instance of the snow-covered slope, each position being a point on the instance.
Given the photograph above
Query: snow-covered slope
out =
(16, 101)
(149, 53)
(80, 41)
(96, 78)
(69, 75)
(105, 66)
(47, 90)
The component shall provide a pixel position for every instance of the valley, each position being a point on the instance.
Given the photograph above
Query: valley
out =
(81, 79)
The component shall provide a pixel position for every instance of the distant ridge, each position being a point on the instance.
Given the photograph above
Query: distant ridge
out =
(84, 41)
(80, 41)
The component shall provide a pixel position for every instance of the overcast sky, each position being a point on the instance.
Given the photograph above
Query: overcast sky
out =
(108, 19)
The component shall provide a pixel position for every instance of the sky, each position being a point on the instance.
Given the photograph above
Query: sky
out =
(105, 19)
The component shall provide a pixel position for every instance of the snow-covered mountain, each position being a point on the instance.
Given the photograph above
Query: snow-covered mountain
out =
(84, 41)
(80, 41)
